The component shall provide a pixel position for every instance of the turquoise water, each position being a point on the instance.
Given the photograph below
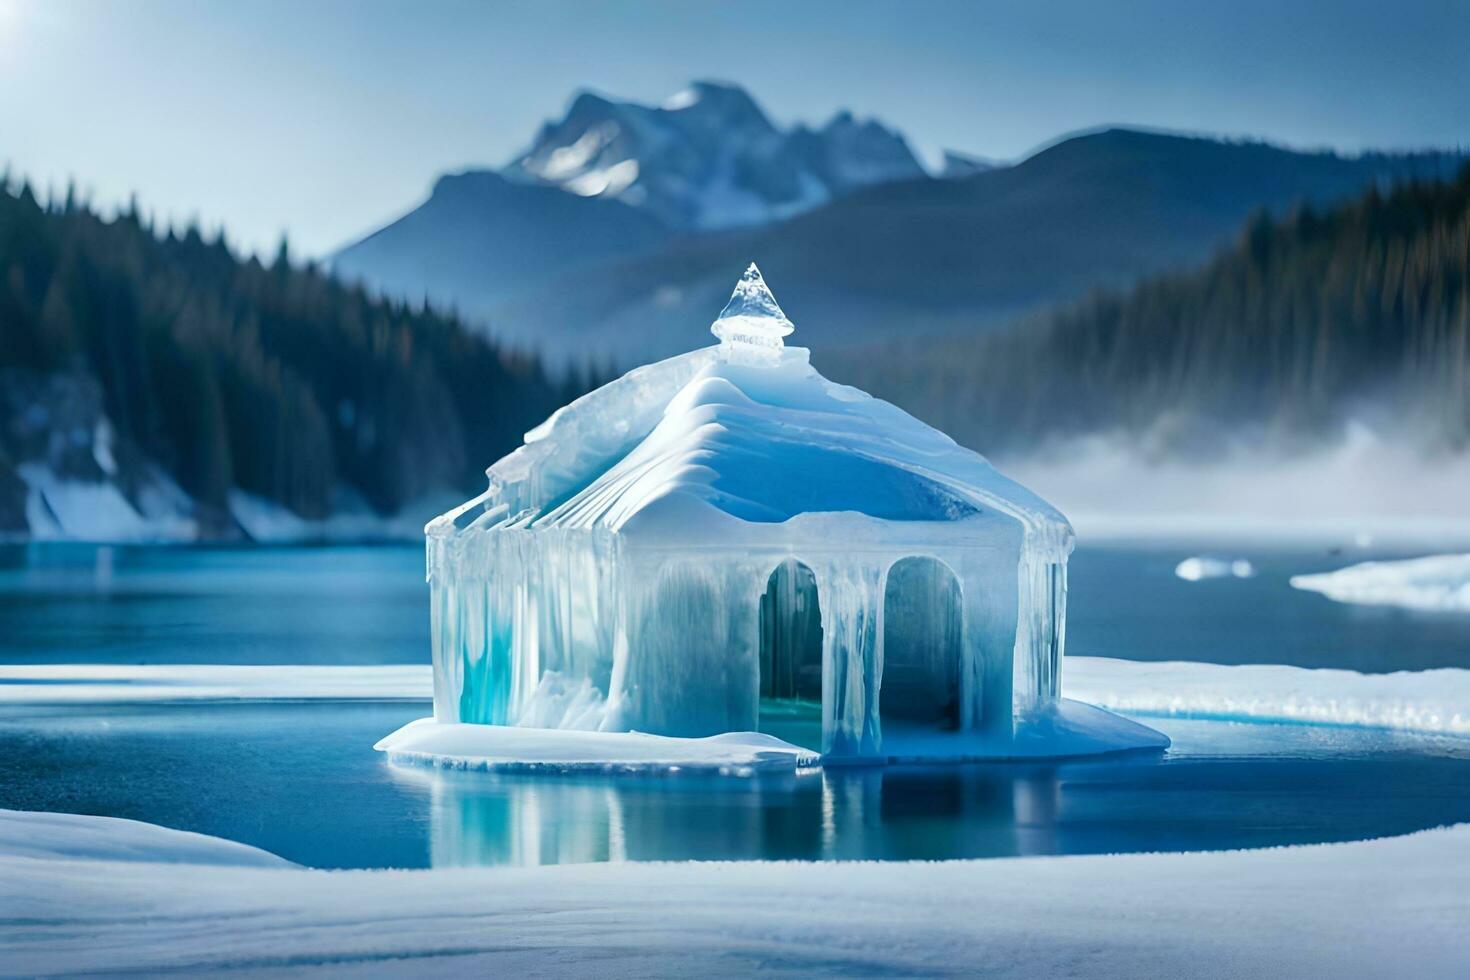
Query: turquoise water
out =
(89, 604)
(301, 779)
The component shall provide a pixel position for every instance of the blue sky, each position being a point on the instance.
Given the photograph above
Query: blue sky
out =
(324, 118)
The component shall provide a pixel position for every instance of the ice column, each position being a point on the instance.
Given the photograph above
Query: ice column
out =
(852, 658)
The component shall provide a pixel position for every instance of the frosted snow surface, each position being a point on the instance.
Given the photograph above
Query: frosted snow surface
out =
(1437, 583)
(1430, 701)
(1379, 908)
(629, 542)
(72, 837)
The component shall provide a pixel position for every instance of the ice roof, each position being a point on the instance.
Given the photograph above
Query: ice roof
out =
(761, 440)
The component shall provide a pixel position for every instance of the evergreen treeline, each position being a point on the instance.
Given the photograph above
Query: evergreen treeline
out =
(279, 379)
(1362, 311)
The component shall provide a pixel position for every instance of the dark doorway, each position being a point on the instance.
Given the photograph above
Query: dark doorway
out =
(791, 655)
(922, 641)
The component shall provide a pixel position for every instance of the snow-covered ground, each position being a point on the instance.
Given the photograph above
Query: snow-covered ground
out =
(59, 509)
(1372, 909)
(83, 894)
(75, 837)
(1437, 583)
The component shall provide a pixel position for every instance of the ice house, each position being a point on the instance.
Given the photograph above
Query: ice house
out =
(727, 541)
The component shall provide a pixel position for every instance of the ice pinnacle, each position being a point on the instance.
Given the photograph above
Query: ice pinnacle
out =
(752, 317)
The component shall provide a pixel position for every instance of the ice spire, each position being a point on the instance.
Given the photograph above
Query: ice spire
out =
(752, 323)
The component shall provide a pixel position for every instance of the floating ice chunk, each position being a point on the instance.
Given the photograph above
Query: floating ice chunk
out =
(496, 747)
(1439, 583)
(1200, 567)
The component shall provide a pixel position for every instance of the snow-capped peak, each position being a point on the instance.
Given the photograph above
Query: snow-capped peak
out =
(708, 157)
(752, 317)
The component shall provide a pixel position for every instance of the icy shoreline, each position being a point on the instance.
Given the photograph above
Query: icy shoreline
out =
(1372, 908)
(1434, 702)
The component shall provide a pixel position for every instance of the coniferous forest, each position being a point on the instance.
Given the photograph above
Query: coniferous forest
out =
(276, 379)
(225, 373)
(1361, 312)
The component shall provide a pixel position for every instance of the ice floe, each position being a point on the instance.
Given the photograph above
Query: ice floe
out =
(497, 747)
(1202, 567)
(1437, 583)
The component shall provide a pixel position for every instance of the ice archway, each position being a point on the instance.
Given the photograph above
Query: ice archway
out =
(922, 682)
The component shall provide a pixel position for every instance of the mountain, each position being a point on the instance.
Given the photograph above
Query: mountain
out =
(709, 158)
(481, 238)
(957, 164)
(159, 386)
(955, 256)
(1303, 327)
(613, 180)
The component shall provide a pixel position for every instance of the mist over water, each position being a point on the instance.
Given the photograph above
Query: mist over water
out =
(1361, 487)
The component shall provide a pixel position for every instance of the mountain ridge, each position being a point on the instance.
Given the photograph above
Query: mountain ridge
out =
(604, 278)
(956, 256)
(708, 158)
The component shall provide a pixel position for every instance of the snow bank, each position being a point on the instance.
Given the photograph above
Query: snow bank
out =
(351, 520)
(60, 509)
(496, 747)
(1201, 567)
(81, 510)
(73, 837)
(135, 683)
(1438, 583)
(1430, 701)
(1370, 909)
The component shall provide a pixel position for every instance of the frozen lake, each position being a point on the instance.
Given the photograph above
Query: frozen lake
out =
(89, 604)
(302, 780)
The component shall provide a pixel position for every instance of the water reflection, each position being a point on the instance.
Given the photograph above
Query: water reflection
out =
(896, 813)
